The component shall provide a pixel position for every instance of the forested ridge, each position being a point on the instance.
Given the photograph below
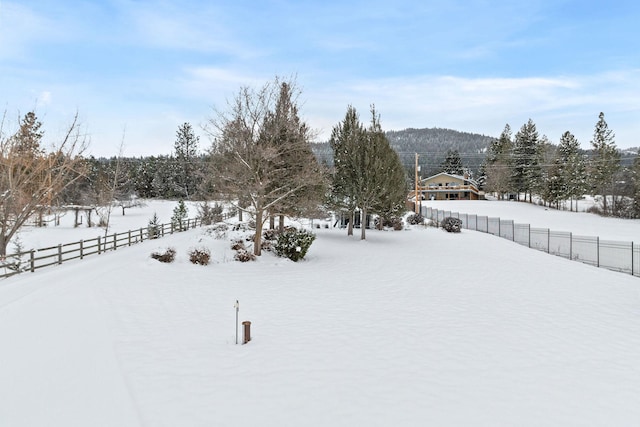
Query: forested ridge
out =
(432, 146)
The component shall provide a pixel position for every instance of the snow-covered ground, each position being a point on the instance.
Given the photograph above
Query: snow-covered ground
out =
(408, 328)
(579, 223)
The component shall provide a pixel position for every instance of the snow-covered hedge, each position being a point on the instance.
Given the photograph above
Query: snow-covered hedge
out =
(451, 224)
(294, 244)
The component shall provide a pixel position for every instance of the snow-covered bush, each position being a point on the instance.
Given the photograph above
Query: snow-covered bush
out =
(451, 224)
(415, 219)
(199, 256)
(237, 245)
(294, 244)
(243, 256)
(168, 255)
(393, 222)
(270, 234)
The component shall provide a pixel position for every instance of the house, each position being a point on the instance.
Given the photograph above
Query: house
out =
(444, 186)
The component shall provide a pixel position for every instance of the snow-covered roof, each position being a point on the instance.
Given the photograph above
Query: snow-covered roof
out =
(460, 177)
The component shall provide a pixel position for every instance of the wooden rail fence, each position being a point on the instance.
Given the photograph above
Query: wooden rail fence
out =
(36, 259)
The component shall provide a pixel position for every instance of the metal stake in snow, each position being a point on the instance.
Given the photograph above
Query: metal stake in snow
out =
(237, 306)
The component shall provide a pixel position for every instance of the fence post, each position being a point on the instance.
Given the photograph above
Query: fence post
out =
(81, 249)
(141, 235)
(570, 245)
(548, 240)
(129, 237)
(32, 256)
(99, 245)
(529, 228)
(115, 241)
(597, 251)
(513, 231)
(59, 254)
(632, 257)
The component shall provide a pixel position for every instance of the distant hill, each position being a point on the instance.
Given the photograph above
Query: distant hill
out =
(431, 144)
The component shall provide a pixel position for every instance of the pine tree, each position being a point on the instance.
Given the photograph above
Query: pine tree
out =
(527, 171)
(452, 164)
(572, 167)
(29, 136)
(605, 163)
(345, 139)
(186, 152)
(498, 164)
(180, 213)
(635, 177)
(392, 194)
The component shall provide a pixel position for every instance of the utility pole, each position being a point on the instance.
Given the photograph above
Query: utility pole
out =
(415, 205)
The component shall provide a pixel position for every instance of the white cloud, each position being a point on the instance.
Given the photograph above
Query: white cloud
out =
(485, 105)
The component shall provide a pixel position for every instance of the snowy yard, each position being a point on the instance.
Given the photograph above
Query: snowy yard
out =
(409, 328)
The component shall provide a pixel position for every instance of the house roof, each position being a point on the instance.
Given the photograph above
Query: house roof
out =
(460, 177)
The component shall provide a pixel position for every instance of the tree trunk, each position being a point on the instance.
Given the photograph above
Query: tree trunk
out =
(272, 221)
(4, 242)
(350, 223)
(257, 240)
(281, 223)
(240, 214)
(363, 224)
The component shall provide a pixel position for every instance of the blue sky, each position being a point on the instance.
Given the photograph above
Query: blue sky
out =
(136, 70)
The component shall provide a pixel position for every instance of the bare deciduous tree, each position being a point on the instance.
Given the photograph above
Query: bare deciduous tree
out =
(30, 176)
(261, 153)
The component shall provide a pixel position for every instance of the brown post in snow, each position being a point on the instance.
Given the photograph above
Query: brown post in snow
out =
(247, 331)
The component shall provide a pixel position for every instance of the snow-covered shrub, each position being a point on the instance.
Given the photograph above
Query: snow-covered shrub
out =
(237, 245)
(153, 229)
(294, 244)
(168, 255)
(266, 245)
(415, 219)
(243, 256)
(451, 224)
(397, 224)
(199, 256)
(270, 234)
(393, 222)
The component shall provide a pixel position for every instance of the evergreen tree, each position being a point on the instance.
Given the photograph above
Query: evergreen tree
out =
(180, 213)
(289, 135)
(635, 178)
(186, 152)
(452, 163)
(498, 164)
(572, 168)
(345, 140)
(526, 173)
(605, 163)
(29, 135)
(392, 194)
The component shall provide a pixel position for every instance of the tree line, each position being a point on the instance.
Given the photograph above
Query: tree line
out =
(528, 164)
(260, 160)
